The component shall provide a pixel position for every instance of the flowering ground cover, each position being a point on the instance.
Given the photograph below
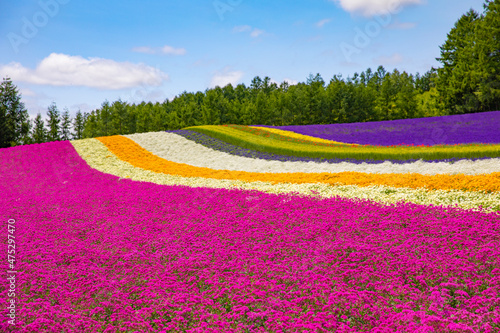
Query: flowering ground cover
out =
(100, 253)
(219, 145)
(98, 156)
(458, 129)
(262, 140)
(183, 232)
(281, 135)
(175, 148)
(128, 151)
(296, 136)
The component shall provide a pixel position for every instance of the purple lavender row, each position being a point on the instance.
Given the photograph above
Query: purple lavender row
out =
(458, 129)
(219, 145)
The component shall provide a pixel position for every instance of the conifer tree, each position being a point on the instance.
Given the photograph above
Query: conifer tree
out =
(457, 81)
(78, 125)
(65, 125)
(39, 131)
(53, 123)
(487, 48)
(14, 118)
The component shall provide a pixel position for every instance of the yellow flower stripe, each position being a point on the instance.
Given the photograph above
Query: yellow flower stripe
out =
(299, 136)
(100, 158)
(128, 151)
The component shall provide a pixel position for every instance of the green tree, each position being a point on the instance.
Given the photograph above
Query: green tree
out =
(91, 125)
(283, 113)
(406, 102)
(487, 48)
(14, 118)
(39, 131)
(457, 81)
(105, 126)
(425, 82)
(26, 128)
(65, 125)
(131, 120)
(53, 123)
(158, 117)
(249, 114)
(428, 104)
(386, 100)
(78, 125)
(119, 115)
(255, 86)
(211, 109)
(314, 99)
(144, 117)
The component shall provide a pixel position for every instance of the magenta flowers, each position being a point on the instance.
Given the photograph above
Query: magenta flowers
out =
(102, 254)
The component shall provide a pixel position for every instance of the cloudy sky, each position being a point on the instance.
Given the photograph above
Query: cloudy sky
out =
(80, 53)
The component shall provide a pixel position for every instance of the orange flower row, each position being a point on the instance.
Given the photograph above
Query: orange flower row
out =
(128, 151)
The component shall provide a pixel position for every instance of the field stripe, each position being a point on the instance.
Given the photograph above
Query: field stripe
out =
(129, 151)
(250, 138)
(176, 148)
(223, 146)
(99, 157)
(299, 136)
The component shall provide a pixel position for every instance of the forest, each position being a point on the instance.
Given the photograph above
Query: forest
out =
(467, 81)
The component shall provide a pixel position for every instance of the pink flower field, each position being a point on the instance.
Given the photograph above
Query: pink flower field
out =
(99, 253)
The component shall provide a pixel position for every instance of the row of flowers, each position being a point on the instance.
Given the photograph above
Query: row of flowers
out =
(222, 146)
(251, 138)
(131, 152)
(287, 136)
(292, 135)
(99, 156)
(457, 129)
(175, 148)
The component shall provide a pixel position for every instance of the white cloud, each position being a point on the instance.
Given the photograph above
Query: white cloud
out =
(242, 28)
(375, 7)
(321, 23)
(226, 76)
(254, 32)
(65, 70)
(167, 49)
(172, 50)
(394, 59)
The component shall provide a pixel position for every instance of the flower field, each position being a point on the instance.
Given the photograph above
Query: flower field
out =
(466, 128)
(258, 229)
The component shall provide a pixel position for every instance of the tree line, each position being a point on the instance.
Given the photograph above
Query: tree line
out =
(16, 127)
(467, 81)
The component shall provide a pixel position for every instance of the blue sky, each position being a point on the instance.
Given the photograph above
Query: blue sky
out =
(80, 53)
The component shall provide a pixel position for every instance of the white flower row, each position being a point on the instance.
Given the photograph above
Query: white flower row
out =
(176, 148)
(99, 157)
